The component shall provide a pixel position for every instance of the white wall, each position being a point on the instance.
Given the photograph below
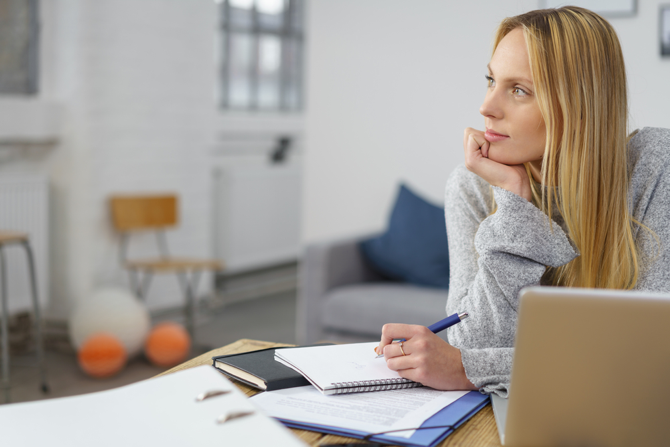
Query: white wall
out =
(137, 80)
(137, 84)
(648, 73)
(392, 85)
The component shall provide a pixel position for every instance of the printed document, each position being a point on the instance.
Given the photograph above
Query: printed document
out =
(367, 412)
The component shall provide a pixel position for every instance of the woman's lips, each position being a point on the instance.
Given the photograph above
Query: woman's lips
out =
(493, 137)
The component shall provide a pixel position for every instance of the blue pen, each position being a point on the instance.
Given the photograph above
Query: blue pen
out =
(440, 325)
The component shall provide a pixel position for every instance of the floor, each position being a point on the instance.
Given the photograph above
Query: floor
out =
(233, 315)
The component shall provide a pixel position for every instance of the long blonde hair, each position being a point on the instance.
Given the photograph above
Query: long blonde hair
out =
(580, 82)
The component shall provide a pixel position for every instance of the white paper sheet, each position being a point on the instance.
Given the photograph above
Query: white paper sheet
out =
(368, 412)
(161, 412)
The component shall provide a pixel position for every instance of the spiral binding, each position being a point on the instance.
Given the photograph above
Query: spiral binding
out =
(371, 385)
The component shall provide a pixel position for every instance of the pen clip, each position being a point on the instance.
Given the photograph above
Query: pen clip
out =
(202, 396)
(233, 415)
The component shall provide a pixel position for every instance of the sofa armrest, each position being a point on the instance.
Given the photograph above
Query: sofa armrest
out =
(324, 266)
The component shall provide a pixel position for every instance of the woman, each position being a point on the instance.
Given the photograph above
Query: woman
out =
(553, 192)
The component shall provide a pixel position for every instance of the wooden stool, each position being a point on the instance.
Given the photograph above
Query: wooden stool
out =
(7, 238)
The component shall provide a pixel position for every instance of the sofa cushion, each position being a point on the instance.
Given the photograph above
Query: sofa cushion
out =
(365, 308)
(414, 248)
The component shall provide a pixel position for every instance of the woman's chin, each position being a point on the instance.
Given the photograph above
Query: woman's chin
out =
(500, 156)
(498, 159)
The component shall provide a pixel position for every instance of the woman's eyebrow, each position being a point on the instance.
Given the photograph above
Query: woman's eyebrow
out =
(511, 80)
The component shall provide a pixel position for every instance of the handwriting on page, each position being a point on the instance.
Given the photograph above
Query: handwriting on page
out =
(356, 365)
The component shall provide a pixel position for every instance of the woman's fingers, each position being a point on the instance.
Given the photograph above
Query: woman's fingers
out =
(476, 149)
(428, 359)
(398, 349)
(473, 140)
(476, 160)
(479, 136)
(511, 178)
(401, 363)
(394, 331)
(485, 149)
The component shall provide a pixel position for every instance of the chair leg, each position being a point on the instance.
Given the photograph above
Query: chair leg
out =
(140, 283)
(38, 318)
(189, 286)
(132, 275)
(145, 283)
(5, 325)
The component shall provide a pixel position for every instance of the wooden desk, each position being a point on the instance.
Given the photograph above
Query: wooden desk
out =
(479, 431)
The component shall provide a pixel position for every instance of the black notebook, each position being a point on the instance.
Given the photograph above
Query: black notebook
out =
(259, 370)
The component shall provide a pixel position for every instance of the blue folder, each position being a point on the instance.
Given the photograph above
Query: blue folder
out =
(454, 414)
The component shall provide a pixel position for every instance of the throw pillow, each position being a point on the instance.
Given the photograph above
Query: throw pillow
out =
(414, 248)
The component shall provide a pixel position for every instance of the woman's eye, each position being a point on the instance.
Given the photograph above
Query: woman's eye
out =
(519, 92)
(489, 81)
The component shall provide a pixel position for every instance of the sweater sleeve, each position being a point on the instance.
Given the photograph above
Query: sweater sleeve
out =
(492, 258)
(649, 196)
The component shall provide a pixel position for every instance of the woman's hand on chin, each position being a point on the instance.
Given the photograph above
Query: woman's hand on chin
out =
(428, 359)
(512, 178)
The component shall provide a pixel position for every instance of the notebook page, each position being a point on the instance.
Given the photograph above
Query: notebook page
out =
(326, 365)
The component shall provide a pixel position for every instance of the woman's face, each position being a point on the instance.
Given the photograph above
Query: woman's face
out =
(514, 125)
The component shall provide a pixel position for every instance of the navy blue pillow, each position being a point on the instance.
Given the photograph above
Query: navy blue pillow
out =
(414, 247)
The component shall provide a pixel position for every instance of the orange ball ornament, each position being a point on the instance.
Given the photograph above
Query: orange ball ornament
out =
(102, 355)
(168, 344)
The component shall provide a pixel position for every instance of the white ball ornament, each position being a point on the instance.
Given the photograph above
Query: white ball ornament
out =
(113, 310)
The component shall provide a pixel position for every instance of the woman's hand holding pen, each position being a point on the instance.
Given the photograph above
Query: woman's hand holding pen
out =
(428, 359)
(513, 178)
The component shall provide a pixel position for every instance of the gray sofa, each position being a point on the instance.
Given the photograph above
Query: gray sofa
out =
(340, 298)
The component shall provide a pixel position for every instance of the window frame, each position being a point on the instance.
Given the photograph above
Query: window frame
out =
(287, 33)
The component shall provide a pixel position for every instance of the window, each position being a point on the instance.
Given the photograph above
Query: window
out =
(18, 47)
(261, 54)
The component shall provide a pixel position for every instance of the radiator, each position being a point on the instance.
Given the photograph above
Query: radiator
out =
(257, 215)
(24, 207)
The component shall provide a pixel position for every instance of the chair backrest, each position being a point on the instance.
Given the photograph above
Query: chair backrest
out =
(143, 212)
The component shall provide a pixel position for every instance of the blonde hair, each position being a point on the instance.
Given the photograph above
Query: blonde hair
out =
(580, 82)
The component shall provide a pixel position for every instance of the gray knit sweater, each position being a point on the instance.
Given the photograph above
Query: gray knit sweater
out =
(492, 257)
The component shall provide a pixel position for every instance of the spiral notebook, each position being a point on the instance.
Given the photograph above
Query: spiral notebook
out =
(343, 369)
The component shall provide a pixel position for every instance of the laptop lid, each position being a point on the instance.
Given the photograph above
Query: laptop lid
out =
(591, 367)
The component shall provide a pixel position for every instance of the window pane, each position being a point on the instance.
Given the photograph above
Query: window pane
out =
(271, 14)
(262, 58)
(18, 47)
(241, 14)
(240, 66)
(293, 85)
(269, 78)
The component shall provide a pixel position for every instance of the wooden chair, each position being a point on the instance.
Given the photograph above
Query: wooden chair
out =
(11, 238)
(157, 213)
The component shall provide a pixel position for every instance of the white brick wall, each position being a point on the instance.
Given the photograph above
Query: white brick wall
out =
(137, 80)
(150, 120)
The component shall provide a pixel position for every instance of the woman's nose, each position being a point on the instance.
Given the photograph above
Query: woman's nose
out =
(490, 108)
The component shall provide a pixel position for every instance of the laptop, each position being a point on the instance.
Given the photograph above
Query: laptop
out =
(591, 367)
